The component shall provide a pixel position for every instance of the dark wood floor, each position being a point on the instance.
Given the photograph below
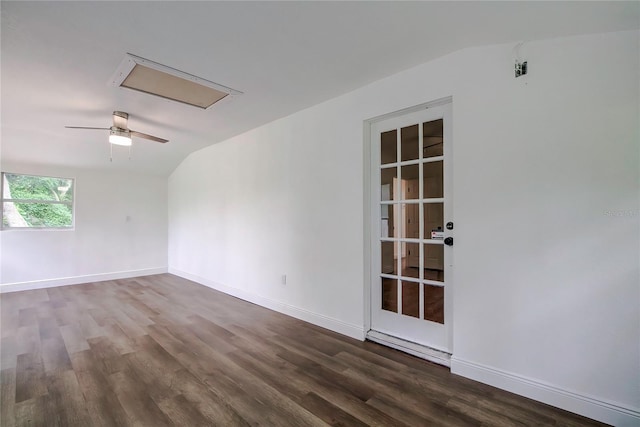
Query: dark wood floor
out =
(161, 350)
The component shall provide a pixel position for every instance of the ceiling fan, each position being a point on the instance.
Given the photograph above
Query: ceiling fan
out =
(119, 133)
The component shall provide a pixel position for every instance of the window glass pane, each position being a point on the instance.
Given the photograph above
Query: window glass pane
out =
(434, 303)
(433, 218)
(28, 187)
(389, 257)
(409, 149)
(410, 179)
(410, 220)
(388, 179)
(388, 219)
(411, 260)
(432, 180)
(411, 299)
(36, 201)
(434, 262)
(432, 139)
(389, 294)
(49, 215)
(389, 147)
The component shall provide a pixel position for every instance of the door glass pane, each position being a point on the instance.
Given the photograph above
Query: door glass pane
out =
(433, 218)
(389, 257)
(410, 183)
(410, 220)
(434, 303)
(388, 179)
(389, 294)
(432, 180)
(411, 260)
(388, 219)
(432, 139)
(388, 147)
(409, 148)
(434, 262)
(411, 299)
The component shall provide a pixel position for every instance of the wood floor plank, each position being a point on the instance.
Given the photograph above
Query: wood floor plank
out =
(313, 354)
(30, 378)
(357, 387)
(119, 340)
(224, 389)
(91, 377)
(393, 381)
(54, 352)
(102, 403)
(155, 370)
(32, 413)
(8, 352)
(54, 355)
(89, 327)
(28, 340)
(247, 392)
(65, 401)
(353, 405)
(163, 351)
(165, 339)
(182, 412)
(56, 297)
(482, 415)
(28, 317)
(416, 416)
(328, 412)
(7, 397)
(134, 397)
(256, 401)
(73, 338)
(65, 315)
(106, 411)
(109, 360)
(210, 405)
(127, 324)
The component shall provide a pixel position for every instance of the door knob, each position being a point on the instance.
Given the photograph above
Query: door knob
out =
(448, 241)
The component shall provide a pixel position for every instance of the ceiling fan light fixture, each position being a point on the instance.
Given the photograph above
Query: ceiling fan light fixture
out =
(119, 137)
(150, 77)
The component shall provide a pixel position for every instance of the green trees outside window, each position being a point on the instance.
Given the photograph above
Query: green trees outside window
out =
(30, 201)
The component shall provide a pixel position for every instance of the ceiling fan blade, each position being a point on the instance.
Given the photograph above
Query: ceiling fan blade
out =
(84, 127)
(146, 136)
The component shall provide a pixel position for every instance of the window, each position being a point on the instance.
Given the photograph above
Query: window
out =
(30, 201)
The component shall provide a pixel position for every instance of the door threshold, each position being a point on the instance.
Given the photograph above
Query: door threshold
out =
(422, 351)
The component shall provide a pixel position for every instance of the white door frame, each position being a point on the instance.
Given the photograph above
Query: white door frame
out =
(369, 240)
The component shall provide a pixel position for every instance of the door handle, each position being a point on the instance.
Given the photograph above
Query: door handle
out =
(448, 241)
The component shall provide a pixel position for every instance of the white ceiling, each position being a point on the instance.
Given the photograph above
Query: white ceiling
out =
(56, 59)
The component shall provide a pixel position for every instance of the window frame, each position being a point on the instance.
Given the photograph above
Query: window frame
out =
(37, 201)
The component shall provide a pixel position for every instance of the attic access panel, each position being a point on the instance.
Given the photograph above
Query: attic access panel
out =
(150, 77)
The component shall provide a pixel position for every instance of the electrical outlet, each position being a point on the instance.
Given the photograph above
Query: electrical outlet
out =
(283, 279)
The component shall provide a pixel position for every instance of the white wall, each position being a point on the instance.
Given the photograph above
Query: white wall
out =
(546, 201)
(104, 244)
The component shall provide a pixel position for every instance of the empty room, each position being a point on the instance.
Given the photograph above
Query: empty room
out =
(312, 213)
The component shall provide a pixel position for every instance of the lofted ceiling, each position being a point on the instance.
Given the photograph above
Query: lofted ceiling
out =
(57, 57)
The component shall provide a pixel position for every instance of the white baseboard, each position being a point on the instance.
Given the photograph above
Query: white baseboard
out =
(353, 331)
(76, 280)
(588, 406)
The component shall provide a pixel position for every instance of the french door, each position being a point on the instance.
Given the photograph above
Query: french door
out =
(412, 231)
